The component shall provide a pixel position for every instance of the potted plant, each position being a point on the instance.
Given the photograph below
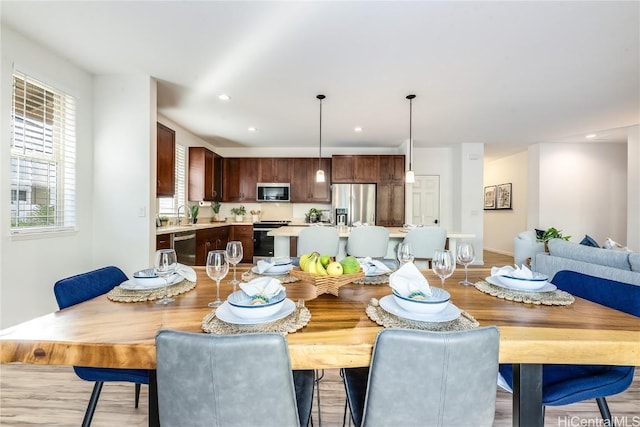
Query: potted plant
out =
(163, 220)
(239, 212)
(194, 213)
(215, 206)
(548, 234)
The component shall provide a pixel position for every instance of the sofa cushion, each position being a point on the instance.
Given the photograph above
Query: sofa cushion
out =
(563, 249)
(588, 241)
(634, 260)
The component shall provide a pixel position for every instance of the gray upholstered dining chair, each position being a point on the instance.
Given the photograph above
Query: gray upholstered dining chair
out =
(230, 380)
(425, 241)
(368, 241)
(322, 239)
(426, 378)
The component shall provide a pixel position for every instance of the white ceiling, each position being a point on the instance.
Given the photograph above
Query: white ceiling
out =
(507, 74)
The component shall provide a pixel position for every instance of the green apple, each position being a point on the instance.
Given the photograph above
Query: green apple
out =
(325, 260)
(334, 269)
(350, 265)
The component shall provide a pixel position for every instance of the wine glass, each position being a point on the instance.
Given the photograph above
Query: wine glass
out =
(234, 253)
(443, 264)
(466, 255)
(405, 253)
(164, 266)
(217, 269)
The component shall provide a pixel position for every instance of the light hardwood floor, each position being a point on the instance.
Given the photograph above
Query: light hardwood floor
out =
(53, 396)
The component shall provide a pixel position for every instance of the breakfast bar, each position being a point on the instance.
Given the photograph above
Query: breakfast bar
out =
(282, 239)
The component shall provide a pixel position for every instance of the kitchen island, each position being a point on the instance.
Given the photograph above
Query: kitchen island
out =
(282, 239)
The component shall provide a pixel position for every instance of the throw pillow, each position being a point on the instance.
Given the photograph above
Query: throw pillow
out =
(612, 244)
(539, 234)
(588, 241)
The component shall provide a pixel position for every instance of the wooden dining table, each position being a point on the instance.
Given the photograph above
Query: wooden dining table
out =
(103, 333)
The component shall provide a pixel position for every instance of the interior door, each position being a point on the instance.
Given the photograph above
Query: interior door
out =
(425, 197)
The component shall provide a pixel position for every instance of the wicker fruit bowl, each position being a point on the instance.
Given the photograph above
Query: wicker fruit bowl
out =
(325, 284)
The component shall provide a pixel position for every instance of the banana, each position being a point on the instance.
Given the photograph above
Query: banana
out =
(320, 268)
(311, 265)
(303, 261)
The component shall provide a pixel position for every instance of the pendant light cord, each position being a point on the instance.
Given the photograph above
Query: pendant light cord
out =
(410, 98)
(320, 97)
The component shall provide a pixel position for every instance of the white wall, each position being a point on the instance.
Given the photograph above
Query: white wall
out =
(125, 159)
(633, 188)
(30, 267)
(502, 225)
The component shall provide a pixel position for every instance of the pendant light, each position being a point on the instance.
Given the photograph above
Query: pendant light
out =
(410, 178)
(320, 172)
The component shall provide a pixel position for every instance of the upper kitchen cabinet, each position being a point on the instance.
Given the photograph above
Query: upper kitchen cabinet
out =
(165, 161)
(240, 179)
(205, 175)
(275, 169)
(391, 168)
(304, 188)
(354, 169)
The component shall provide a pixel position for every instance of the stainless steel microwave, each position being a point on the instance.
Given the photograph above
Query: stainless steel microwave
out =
(273, 192)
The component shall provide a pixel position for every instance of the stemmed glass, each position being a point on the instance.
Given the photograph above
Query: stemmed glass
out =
(217, 269)
(443, 264)
(234, 253)
(405, 253)
(466, 255)
(164, 266)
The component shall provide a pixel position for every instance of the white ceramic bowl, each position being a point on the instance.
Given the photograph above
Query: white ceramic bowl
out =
(432, 304)
(280, 269)
(537, 282)
(240, 305)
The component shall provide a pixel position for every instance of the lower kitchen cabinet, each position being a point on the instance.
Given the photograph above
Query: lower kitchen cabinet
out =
(163, 241)
(244, 233)
(210, 239)
(390, 204)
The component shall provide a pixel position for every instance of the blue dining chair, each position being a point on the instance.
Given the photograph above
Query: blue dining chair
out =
(566, 384)
(82, 287)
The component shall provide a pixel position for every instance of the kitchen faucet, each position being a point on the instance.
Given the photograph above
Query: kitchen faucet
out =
(179, 220)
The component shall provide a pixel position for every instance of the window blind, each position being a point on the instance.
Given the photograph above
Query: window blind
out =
(169, 205)
(43, 157)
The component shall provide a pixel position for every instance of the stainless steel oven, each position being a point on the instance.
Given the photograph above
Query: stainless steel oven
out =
(263, 244)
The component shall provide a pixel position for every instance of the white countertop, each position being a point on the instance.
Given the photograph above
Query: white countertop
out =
(394, 232)
(198, 226)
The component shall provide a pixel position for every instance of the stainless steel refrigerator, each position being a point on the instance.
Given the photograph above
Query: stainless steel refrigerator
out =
(358, 199)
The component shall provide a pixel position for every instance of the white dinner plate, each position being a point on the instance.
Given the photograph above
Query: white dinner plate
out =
(389, 305)
(377, 273)
(134, 285)
(495, 280)
(224, 313)
(279, 271)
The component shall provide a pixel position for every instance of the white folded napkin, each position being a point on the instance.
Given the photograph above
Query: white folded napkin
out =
(151, 282)
(519, 272)
(187, 272)
(267, 286)
(263, 265)
(372, 266)
(408, 279)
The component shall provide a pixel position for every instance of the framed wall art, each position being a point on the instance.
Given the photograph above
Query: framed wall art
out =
(490, 197)
(503, 196)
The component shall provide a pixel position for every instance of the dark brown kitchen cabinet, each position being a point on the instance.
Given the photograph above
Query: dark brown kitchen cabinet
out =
(205, 175)
(391, 168)
(390, 204)
(275, 169)
(163, 241)
(354, 169)
(244, 233)
(165, 161)
(210, 239)
(240, 179)
(304, 188)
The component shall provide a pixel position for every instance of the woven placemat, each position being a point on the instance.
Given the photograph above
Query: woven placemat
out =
(373, 280)
(384, 318)
(556, 297)
(119, 294)
(283, 278)
(296, 320)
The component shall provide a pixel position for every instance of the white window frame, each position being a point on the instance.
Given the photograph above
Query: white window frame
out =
(43, 157)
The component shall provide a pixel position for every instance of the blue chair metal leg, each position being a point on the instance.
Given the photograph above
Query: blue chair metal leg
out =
(93, 402)
(604, 410)
(137, 395)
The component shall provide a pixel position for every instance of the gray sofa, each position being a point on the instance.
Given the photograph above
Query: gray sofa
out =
(610, 264)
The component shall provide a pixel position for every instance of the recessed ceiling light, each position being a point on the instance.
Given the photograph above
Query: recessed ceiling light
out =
(252, 129)
(590, 136)
(357, 129)
(224, 97)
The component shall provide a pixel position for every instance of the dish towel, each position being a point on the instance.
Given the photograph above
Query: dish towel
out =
(263, 288)
(372, 266)
(507, 270)
(408, 281)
